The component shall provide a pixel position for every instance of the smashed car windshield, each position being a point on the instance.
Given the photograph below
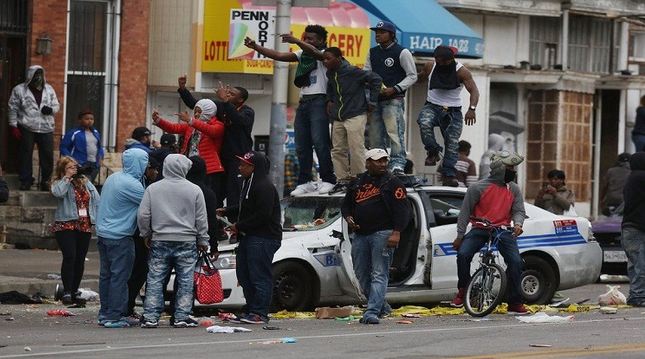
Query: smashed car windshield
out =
(309, 213)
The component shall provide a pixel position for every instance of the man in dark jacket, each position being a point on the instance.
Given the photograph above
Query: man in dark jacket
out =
(140, 139)
(238, 119)
(611, 192)
(348, 107)
(197, 175)
(168, 143)
(259, 233)
(633, 235)
(377, 211)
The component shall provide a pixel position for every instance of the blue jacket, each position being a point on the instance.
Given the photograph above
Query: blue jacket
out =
(66, 209)
(75, 145)
(121, 196)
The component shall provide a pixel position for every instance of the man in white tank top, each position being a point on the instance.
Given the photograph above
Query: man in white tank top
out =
(446, 78)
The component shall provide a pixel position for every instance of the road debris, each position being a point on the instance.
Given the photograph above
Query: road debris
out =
(226, 330)
(542, 317)
(540, 345)
(60, 313)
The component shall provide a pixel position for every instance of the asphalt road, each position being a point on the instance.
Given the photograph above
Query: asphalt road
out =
(589, 335)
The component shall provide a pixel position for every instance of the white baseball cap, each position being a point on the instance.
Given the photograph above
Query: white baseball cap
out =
(376, 154)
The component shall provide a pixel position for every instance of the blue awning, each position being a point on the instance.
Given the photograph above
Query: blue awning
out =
(424, 25)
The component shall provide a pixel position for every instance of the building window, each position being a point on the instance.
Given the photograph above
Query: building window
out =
(637, 50)
(544, 41)
(589, 44)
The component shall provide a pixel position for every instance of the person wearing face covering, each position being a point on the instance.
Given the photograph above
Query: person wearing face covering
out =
(203, 136)
(32, 107)
(443, 109)
(497, 199)
(173, 220)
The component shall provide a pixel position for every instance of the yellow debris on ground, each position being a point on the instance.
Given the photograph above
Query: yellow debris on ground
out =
(284, 314)
(426, 312)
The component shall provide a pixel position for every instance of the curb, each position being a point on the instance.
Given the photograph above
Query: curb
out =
(31, 286)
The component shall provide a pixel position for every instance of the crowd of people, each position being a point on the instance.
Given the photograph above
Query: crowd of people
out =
(161, 209)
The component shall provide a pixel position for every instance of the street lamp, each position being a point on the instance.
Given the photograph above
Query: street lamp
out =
(44, 45)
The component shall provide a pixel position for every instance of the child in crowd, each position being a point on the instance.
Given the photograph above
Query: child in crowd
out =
(83, 143)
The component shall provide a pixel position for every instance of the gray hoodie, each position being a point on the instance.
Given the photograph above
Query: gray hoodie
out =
(174, 209)
(25, 111)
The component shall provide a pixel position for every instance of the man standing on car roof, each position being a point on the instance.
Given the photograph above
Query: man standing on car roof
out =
(374, 193)
(497, 199)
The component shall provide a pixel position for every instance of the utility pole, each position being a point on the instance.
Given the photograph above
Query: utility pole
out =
(279, 99)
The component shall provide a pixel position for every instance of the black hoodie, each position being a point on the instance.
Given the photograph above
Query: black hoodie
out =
(197, 175)
(258, 212)
(634, 193)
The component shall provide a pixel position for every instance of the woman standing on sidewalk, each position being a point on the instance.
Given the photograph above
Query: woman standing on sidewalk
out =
(75, 213)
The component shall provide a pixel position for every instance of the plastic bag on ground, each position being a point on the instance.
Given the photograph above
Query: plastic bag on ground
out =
(612, 297)
(542, 317)
(226, 330)
(88, 295)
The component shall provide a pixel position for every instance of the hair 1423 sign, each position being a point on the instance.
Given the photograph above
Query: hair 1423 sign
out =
(259, 25)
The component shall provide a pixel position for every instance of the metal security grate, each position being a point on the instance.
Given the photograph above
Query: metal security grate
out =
(13, 16)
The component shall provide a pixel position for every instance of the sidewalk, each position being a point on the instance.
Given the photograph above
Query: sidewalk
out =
(31, 270)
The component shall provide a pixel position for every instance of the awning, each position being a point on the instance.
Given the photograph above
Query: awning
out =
(424, 25)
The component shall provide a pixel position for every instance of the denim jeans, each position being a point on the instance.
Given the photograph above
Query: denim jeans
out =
(45, 142)
(311, 128)
(633, 242)
(507, 246)
(253, 269)
(639, 142)
(372, 259)
(450, 122)
(387, 123)
(117, 257)
(165, 255)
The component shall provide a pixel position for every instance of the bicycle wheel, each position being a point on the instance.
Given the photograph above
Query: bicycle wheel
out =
(485, 290)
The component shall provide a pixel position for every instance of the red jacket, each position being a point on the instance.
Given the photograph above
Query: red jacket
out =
(210, 143)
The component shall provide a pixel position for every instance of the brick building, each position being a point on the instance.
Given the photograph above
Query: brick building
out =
(95, 55)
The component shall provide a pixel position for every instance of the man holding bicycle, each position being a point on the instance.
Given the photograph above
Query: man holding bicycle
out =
(496, 199)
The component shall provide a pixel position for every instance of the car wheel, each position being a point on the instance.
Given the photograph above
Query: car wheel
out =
(538, 282)
(292, 286)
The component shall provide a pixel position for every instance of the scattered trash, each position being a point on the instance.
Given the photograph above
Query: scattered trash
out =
(409, 315)
(608, 310)
(270, 342)
(27, 349)
(88, 295)
(268, 327)
(226, 330)
(206, 323)
(613, 278)
(540, 345)
(425, 312)
(404, 322)
(612, 297)
(542, 317)
(53, 276)
(560, 304)
(289, 340)
(10, 319)
(283, 314)
(348, 318)
(60, 313)
(14, 297)
(225, 316)
(331, 313)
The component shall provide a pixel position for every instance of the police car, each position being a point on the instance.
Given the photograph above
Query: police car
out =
(314, 265)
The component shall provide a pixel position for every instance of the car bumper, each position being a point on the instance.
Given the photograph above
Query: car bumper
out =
(583, 265)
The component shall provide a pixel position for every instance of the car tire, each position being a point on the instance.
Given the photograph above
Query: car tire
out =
(292, 286)
(538, 282)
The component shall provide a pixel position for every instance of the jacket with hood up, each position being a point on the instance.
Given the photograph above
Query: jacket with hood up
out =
(211, 137)
(346, 90)
(258, 212)
(24, 109)
(614, 185)
(121, 196)
(174, 209)
(634, 193)
(197, 175)
(132, 143)
(492, 199)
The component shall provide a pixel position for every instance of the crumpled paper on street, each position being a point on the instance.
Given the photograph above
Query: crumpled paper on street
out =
(542, 317)
(226, 330)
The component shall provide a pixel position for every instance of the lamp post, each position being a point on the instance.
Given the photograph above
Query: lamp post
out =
(44, 45)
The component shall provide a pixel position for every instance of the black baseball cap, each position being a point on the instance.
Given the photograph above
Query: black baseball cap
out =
(139, 132)
(168, 139)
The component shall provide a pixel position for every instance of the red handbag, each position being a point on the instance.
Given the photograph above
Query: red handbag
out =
(208, 282)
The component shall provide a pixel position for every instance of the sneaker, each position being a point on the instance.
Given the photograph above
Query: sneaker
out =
(116, 324)
(384, 315)
(253, 319)
(185, 323)
(67, 298)
(517, 309)
(101, 322)
(325, 187)
(305, 188)
(338, 187)
(432, 159)
(136, 316)
(458, 300)
(237, 319)
(149, 324)
(450, 181)
(369, 320)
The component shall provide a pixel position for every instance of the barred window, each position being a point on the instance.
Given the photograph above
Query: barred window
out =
(544, 41)
(589, 44)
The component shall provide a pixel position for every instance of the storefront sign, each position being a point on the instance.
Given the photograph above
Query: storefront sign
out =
(258, 25)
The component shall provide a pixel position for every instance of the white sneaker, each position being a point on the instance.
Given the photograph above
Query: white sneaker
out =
(305, 188)
(325, 187)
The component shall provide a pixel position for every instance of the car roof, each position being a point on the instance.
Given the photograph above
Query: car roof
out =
(408, 188)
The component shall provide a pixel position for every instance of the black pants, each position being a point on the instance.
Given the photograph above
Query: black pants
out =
(233, 182)
(45, 142)
(217, 182)
(139, 271)
(74, 246)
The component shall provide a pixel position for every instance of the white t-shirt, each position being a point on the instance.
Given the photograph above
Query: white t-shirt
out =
(317, 77)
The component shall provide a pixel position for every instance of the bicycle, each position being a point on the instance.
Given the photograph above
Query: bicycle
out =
(487, 286)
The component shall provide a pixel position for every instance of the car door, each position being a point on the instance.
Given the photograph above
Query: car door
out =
(442, 210)
(347, 279)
